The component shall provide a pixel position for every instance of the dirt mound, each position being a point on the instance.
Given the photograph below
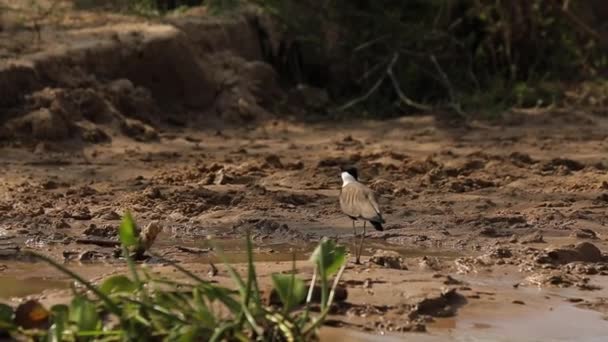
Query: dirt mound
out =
(101, 82)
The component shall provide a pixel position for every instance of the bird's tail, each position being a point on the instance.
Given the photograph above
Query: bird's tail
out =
(377, 225)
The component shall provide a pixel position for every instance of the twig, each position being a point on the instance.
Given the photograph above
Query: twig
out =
(99, 242)
(370, 43)
(371, 70)
(193, 249)
(578, 22)
(446, 81)
(402, 96)
(365, 96)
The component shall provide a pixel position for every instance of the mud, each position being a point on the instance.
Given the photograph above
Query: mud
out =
(492, 230)
(486, 247)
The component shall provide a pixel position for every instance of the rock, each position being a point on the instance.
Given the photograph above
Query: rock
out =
(274, 161)
(532, 238)
(429, 263)
(585, 233)
(501, 253)
(138, 130)
(153, 192)
(107, 231)
(388, 259)
(521, 159)
(61, 224)
(91, 255)
(94, 135)
(49, 185)
(562, 163)
(584, 251)
(110, 216)
(221, 178)
(82, 213)
(444, 305)
(589, 252)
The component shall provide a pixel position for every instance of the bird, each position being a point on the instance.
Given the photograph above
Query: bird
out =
(358, 202)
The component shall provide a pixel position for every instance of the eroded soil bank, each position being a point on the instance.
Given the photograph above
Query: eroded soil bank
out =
(494, 232)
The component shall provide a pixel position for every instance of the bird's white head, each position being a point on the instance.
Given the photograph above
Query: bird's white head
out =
(349, 175)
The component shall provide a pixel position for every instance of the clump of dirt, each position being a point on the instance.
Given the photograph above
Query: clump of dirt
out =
(561, 165)
(388, 259)
(444, 305)
(41, 124)
(584, 251)
(91, 114)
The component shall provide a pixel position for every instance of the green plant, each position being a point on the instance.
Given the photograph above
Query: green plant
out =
(428, 54)
(142, 307)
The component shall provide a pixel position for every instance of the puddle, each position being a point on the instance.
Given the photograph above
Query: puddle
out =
(235, 249)
(564, 323)
(12, 287)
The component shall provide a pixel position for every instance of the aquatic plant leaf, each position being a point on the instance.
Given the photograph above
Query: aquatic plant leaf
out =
(6, 313)
(329, 256)
(59, 313)
(128, 231)
(117, 284)
(84, 314)
(291, 290)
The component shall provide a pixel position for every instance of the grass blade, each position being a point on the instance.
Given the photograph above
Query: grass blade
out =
(109, 303)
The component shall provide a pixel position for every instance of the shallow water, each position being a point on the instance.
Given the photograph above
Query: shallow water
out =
(13, 287)
(545, 317)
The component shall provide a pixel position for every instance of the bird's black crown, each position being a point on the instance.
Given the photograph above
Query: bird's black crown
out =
(351, 170)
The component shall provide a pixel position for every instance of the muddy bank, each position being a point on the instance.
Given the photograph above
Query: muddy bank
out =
(93, 83)
(525, 220)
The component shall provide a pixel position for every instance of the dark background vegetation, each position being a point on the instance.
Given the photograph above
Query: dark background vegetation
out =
(423, 54)
(388, 57)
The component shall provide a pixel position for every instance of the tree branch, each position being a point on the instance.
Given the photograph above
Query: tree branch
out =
(402, 96)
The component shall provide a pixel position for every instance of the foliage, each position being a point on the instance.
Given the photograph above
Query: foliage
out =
(143, 307)
(452, 53)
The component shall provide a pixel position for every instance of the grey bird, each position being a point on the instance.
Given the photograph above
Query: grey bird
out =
(358, 202)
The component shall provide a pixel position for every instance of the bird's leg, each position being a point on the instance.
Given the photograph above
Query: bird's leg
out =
(355, 247)
(358, 256)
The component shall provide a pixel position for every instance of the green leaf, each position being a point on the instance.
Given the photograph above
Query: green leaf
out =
(6, 313)
(6, 317)
(290, 289)
(128, 231)
(59, 314)
(117, 284)
(84, 314)
(329, 256)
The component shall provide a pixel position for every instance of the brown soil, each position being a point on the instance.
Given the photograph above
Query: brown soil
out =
(492, 230)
